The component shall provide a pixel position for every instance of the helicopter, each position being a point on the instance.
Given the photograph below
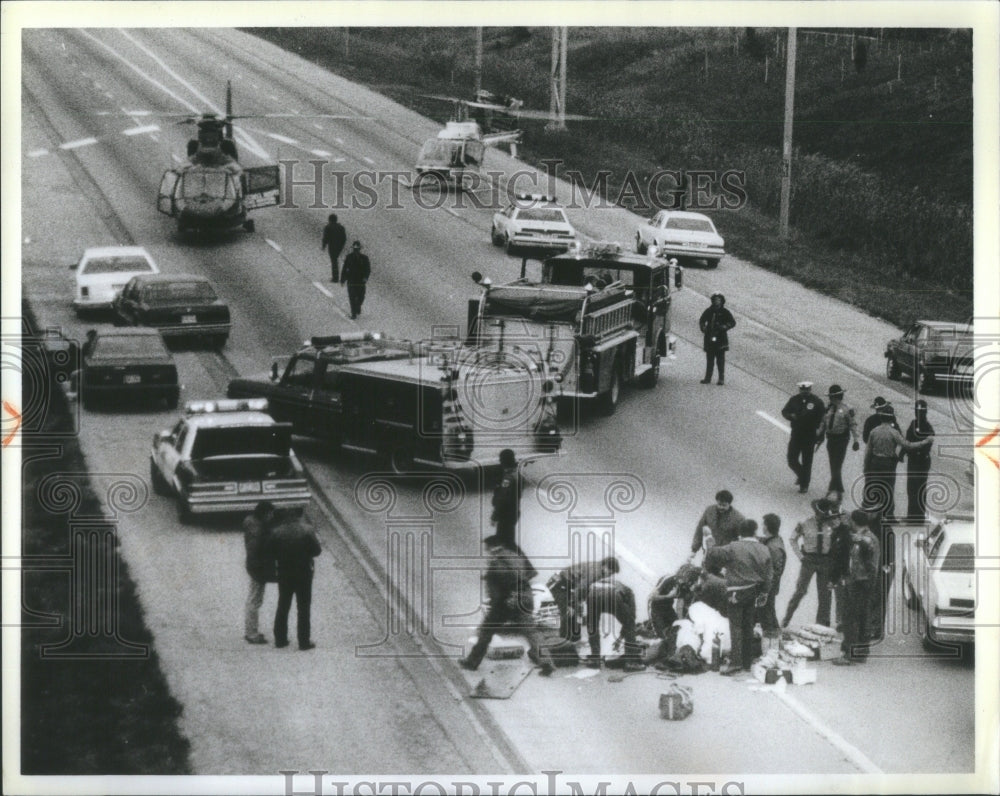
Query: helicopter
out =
(455, 156)
(213, 191)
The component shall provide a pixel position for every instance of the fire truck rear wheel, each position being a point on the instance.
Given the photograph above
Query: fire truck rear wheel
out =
(609, 399)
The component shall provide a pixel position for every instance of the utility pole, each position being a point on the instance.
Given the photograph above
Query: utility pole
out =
(479, 62)
(786, 150)
(557, 102)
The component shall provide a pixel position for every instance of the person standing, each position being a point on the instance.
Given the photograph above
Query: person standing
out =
(776, 548)
(881, 457)
(839, 427)
(260, 566)
(507, 500)
(860, 581)
(334, 240)
(715, 323)
(749, 574)
(918, 463)
(811, 543)
(355, 274)
(295, 546)
(569, 589)
(875, 419)
(610, 596)
(718, 524)
(804, 412)
(511, 605)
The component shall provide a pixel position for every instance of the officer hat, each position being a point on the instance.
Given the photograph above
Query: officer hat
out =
(356, 244)
(887, 410)
(835, 389)
(824, 507)
(879, 401)
(507, 458)
(719, 295)
(805, 385)
(920, 405)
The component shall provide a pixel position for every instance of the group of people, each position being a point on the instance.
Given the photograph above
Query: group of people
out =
(357, 268)
(813, 423)
(279, 549)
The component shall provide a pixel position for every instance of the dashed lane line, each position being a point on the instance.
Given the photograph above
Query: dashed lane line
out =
(774, 421)
(322, 289)
(80, 142)
(272, 244)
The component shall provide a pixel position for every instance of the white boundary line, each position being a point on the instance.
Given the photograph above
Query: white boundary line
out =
(774, 421)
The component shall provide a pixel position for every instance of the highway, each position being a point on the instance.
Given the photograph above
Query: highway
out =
(663, 455)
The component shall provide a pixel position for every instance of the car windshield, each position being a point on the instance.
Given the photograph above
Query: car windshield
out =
(960, 558)
(690, 224)
(949, 335)
(116, 265)
(542, 214)
(146, 346)
(242, 441)
(183, 292)
(205, 182)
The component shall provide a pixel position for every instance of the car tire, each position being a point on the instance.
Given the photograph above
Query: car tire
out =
(157, 481)
(249, 225)
(218, 341)
(651, 376)
(909, 594)
(712, 262)
(608, 400)
(640, 246)
(891, 368)
(399, 457)
(925, 381)
(184, 515)
(495, 237)
(88, 402)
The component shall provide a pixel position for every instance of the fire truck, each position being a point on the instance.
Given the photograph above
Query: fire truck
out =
(434, 403)
(598, 318)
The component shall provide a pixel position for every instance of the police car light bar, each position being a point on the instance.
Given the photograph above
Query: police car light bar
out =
(534, 197)
(226, 405)
(321, 341)
(601, 248)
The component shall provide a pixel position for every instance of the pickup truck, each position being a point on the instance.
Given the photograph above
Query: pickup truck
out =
(932, 353)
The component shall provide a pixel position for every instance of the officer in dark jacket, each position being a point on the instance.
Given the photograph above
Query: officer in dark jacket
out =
(715, 322)
(804, 411)
(875, 420)
(511, 605)
(295, 547)
(355, 274)
(507, 500)
(569, 589)
(918, 464)
(610, 596)
(775, 545)
(260, 566)
(334, 240)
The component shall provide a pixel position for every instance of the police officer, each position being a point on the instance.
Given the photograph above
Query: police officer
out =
(839, 426)
(918, 464)
(881, 457)
(355, 274)
(334, 240)
(507, 499)
(804, 412)
(569, 589)
(874, 420)
(811, 543)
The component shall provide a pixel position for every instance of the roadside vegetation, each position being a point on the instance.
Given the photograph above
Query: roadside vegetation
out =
(83, 711)
(882, 171)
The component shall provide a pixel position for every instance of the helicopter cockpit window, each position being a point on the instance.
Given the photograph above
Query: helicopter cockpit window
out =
(474, 152)
(216, 184)
(438, 151)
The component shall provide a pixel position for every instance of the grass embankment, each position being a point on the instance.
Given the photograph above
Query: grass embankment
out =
(82, 712)
(882, 173)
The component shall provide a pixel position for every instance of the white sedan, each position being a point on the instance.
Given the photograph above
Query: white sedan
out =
(680, 234)
(103, 271)
(533, 225)
(939, 580)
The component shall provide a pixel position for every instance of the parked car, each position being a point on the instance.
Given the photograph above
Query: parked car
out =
(533, 225)
(182, 306)
(103, 271)
(226, 456)
(681, 234)
(121, 366)
(931, 353)
(939, 580)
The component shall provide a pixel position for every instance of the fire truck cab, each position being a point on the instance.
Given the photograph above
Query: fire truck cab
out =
(599, 318)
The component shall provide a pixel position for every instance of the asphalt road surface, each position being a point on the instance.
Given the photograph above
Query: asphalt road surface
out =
(393, 705)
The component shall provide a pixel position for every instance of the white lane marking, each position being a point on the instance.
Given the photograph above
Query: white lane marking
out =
(275, 98)
(320, 153)
(852, 753)
(37, 153)
(339, 140)
(148, 128)
(404, 182)
(322, 289)
(635, 561)
(282, 138)
(272, 244)
(449, 210)
(367, 159)
(774, 421)
(177, 158)
(339, 160)
(317, 125)
(78, 143)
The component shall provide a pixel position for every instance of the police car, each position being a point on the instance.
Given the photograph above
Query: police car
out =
(684, 235)
(225, 456)
(533, 224)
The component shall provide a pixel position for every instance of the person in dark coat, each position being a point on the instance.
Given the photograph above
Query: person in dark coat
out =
(260, 566)
(875, 419)
(918, 463)
(295, 547)
(885, 444)
(507, 500)
(334, 240)
(749, 573)
(715, 323)
(804, 412)
(859, 581)
(718, 524)
(355, 274)
(511, 605)
(569, 588)
(775, 545)
(610, 596)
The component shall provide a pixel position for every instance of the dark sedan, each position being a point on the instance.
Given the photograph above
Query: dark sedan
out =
(179, 306)
(126, 365)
